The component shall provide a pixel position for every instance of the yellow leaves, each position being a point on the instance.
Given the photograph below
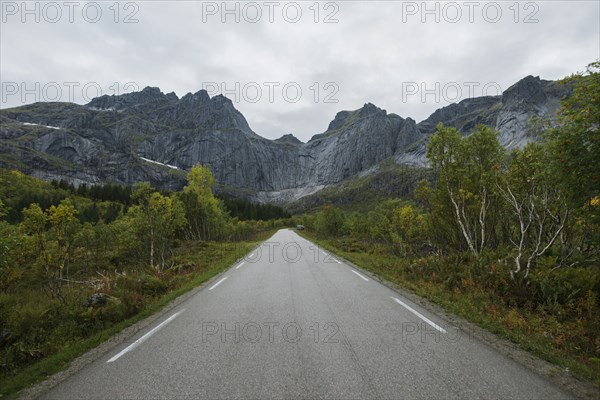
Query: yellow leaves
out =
(595, 201)
(18, 174)
(63, 214)
(200, 179)
(403, 216)
(34, 219)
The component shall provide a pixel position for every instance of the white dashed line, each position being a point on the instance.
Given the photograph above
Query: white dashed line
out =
(418, 314)
(361, 275)
(218, 283)
(145, 337)
(238, 267)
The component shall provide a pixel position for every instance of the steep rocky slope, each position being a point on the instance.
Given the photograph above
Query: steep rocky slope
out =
(152, 136)
(509, 114)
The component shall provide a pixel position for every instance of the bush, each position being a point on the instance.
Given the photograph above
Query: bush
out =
(153, 285)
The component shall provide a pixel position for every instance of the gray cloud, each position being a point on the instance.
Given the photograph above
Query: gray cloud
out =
(374, 53)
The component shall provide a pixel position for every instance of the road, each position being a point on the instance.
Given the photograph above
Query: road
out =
(291, 321)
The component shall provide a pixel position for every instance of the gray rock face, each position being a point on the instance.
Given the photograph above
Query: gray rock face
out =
(289, 138)
(530, 97)
(509, 114)
(151, 136)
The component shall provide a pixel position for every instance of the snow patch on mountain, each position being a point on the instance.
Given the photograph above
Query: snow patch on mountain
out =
(159, 163)
(45, 126)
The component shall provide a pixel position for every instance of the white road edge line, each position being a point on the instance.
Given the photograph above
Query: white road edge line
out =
(145, 337)
(360, 275)
(333, 258)
(238, 267)
(218, 283)
(418, 314)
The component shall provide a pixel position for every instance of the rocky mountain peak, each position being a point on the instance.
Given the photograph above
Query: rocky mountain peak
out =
(528, 90)
(127, 100)
(288, 138)
(370, 109)
(152, 90)
(339, 120)
(220, 99)
(346, 117)
(172, 96)
(98, 147)
(200, 96)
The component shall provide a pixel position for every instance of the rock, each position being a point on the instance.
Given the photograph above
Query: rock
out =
(289, 138)
(105, 140)
(509, 114)
(100, 300)
(96, 300)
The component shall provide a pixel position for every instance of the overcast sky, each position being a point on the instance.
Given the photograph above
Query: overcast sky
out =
(290, 67)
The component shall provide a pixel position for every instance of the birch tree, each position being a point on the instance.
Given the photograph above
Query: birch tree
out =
(466, 169)
(157, 219)
(538, 206)
(206, 219)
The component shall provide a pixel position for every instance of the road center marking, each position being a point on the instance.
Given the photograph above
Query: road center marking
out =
(418, 314)
(361, 275)
(145, 337)
(238, 267)
(218, 283)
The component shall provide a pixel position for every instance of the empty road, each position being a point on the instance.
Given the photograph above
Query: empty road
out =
(291, 321)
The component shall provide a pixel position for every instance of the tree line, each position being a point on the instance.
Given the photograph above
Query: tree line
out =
(542, 200)
(80, 259)
(68, 228)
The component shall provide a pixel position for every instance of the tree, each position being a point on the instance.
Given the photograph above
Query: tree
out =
(355, 225)
(575, 149)
(11, 269)
(576, 142)
(204, 213)
(157, 219)
(34, 224)
(439, 223)
(3, 209)
(330, 221)
(537, 204)
(407, 228)
(54, 250)
(466, 169)
(64, 225)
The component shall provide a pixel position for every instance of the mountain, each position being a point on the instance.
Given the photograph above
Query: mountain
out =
(509, 114)
(157, 137)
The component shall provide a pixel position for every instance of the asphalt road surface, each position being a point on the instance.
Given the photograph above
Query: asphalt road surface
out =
(291, 321)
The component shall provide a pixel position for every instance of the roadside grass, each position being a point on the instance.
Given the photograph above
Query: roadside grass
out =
(565, 335)
(197, 263)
